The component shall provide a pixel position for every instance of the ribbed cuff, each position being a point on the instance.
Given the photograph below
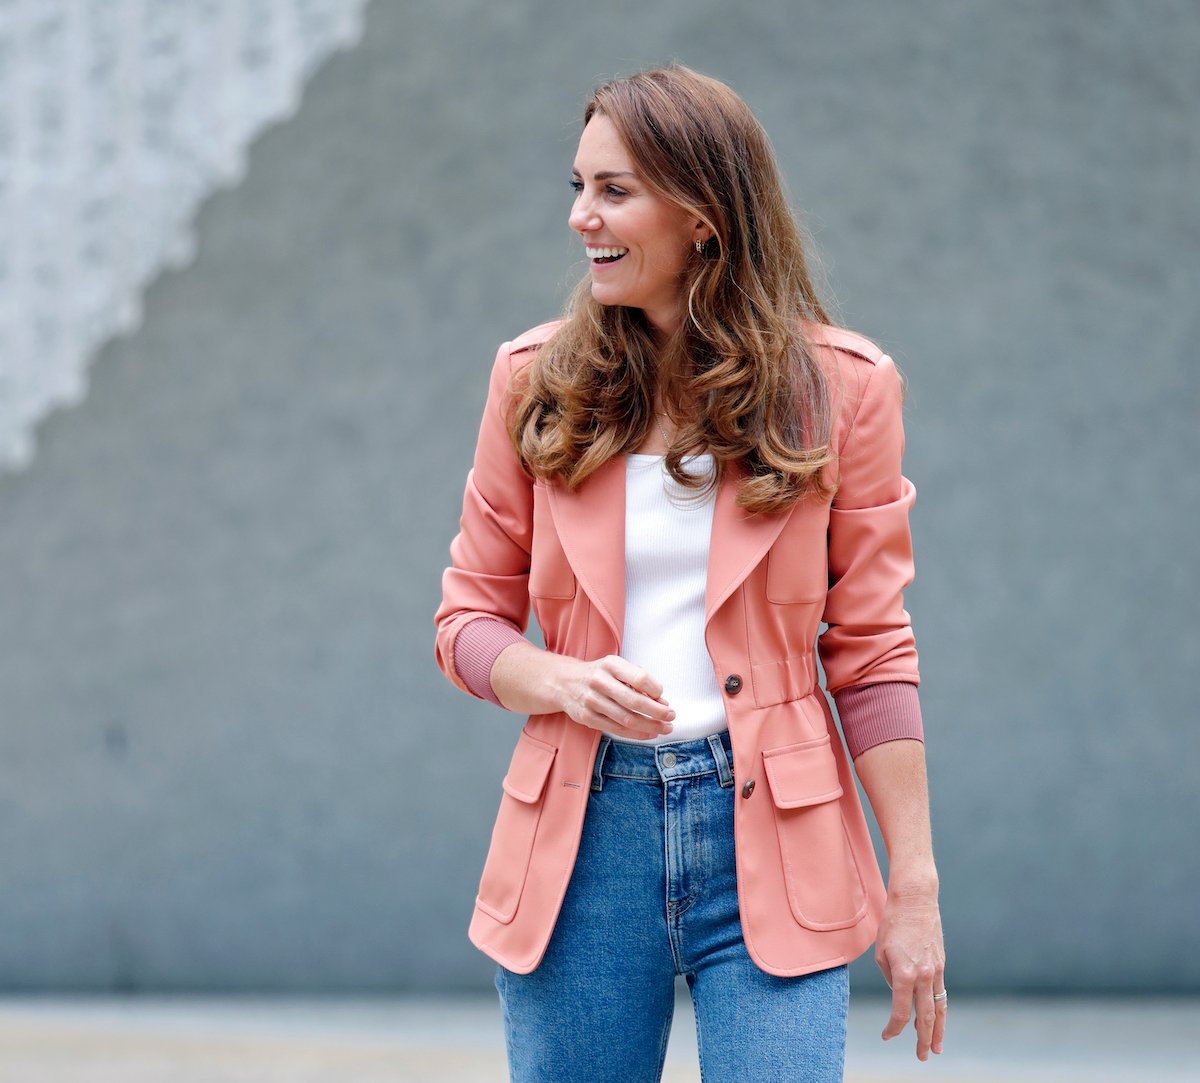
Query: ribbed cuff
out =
(874, 713)
(475, 649)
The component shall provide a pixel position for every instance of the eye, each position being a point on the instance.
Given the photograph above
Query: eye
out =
(577, 186)
(616, 192)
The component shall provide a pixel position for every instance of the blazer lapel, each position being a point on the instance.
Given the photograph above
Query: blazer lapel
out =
(591, 529)
(739, 541)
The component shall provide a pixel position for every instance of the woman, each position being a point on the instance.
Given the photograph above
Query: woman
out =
(687, 475)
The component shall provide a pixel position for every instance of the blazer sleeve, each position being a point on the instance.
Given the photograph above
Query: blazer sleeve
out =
(869, 638)
(488, 577)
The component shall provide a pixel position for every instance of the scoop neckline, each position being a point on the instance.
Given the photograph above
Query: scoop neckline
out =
(647, 455)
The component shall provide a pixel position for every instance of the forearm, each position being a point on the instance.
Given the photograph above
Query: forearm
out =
(609, 694)
(893, 776)
(529, 680)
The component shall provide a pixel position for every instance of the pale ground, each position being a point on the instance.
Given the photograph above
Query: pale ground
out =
(458, 1040)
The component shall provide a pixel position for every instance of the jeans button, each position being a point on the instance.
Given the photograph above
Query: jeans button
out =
(668, 759)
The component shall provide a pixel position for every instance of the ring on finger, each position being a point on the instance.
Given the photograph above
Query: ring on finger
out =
(941, 996)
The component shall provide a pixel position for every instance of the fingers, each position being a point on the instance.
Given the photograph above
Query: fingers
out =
(625, 699)
(912, 996)
(902, 998)
(599, 709)
(926, 1013)
(939, 1007)
(885, 966)
(633, 676)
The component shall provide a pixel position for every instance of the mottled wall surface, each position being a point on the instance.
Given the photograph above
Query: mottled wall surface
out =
(227, 760)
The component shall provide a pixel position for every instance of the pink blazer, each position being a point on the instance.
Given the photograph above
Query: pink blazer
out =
(809, 888)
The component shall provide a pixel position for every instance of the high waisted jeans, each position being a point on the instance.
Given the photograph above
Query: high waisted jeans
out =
(653, 895)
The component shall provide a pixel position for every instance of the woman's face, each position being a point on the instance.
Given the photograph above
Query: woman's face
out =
(637, 243)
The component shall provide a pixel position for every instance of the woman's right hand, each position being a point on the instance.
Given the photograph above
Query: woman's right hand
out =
(610, 694)
(614, 695)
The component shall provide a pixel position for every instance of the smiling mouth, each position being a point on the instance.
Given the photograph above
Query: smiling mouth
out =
(606, 255)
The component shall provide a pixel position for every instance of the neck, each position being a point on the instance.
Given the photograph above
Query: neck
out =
(663, 325)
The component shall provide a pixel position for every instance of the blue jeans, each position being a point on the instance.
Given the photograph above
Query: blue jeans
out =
(653, 895)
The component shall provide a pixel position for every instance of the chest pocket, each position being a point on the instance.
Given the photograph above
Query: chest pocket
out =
(550, 574)
(798, 562)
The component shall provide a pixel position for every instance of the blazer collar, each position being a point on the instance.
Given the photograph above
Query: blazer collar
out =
(591, 529)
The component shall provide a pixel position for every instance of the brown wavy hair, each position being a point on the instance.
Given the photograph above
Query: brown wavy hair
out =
(736, 376)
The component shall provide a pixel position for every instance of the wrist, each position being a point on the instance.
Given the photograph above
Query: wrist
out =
(913, 882)
(526, 679)
(561, 675)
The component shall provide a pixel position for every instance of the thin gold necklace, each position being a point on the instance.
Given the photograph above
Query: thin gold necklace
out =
(658, 422)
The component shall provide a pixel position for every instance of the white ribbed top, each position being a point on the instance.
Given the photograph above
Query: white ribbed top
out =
(667, 531)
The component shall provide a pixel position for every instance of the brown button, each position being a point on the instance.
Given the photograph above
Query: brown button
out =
(733, 684)
(748, 789)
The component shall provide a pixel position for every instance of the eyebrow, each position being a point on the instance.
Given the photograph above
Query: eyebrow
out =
(606, 174)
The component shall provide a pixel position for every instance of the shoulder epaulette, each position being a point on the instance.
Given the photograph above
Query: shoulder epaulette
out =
(846, 341)
(534, 337)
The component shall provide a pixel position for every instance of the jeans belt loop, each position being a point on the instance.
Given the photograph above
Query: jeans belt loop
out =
(597, 776)
(724, 770)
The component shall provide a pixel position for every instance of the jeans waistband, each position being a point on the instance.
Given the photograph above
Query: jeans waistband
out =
(662, 763)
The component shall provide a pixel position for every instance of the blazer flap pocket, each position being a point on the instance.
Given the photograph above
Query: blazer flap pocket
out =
(529, 769)
(802, 774)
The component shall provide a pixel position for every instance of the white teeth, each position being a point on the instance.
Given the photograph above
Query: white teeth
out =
(604, 253)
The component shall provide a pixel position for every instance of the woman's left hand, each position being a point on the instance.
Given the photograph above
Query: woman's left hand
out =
(910, 953)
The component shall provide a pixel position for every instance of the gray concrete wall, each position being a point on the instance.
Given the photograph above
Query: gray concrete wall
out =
(227, 760)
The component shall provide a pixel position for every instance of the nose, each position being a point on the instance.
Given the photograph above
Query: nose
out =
(583, 217)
